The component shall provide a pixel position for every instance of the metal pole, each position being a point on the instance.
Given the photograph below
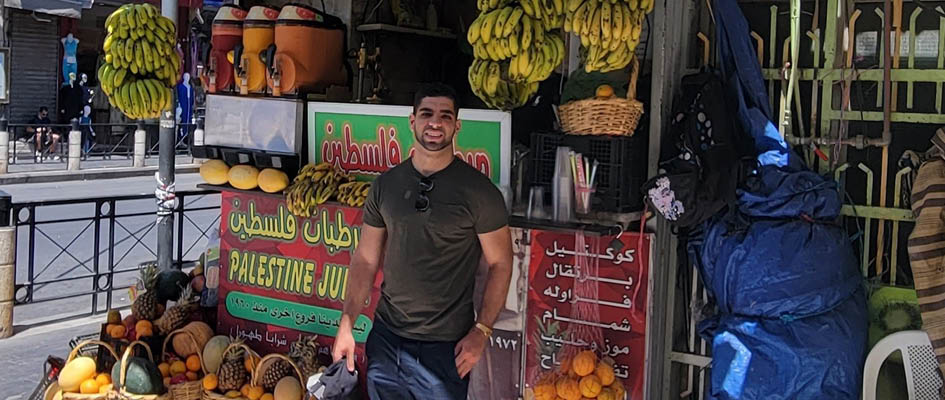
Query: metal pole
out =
(7, 263)
(165, 192)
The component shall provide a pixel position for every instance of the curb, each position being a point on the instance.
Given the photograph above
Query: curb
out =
(90, 174)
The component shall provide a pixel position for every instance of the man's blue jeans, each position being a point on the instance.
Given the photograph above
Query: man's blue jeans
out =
(400, 368)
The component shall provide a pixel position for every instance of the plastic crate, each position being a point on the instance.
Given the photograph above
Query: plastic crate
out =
(620, 175)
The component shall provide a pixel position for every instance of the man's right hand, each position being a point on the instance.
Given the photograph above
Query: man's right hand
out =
(344, 347)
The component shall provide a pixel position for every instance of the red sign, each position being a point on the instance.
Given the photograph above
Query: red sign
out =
(622, 276)
(283, 276)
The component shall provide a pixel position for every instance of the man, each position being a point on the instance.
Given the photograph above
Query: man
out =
(39, 126)
(430, 220)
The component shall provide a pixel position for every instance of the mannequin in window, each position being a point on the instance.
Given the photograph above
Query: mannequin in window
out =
(185, 105)
(88, 133)
(69, 62)
(70, 100)
(85, 90)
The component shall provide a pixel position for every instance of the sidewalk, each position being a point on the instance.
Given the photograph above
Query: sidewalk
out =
(26, 171)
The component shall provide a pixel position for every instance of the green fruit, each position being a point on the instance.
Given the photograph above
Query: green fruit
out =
(171, 283)
(141, 377)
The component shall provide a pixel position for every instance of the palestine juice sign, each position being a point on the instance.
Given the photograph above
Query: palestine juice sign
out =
(554, 306)
(283, 276)
(367, 140)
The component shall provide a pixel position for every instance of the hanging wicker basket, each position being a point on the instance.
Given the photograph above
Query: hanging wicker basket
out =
(75, 353)
(269, 360)
(118, 392)
(212, 395)
(605, 116)
(186, 390)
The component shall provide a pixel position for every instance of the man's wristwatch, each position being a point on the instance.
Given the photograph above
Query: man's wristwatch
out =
(487, 331)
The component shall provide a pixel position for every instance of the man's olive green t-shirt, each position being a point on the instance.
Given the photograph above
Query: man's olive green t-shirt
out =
(431, 257)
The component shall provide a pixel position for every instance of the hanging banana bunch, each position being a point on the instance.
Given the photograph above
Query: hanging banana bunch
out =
(317, 183)
(514, 49)
(141, 61)
(609, 30)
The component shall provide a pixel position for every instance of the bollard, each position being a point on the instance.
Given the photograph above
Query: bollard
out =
(75, 146)
(7, 276)
(140, 144)
(4, 146)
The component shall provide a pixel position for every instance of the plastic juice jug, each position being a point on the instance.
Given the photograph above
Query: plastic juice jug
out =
(309, 51)
(226, 34)
(258, 34)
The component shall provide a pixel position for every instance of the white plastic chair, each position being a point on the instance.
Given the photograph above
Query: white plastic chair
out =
(923, 380)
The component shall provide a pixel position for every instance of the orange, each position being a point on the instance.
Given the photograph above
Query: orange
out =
(178, 367)
(191, 376)
(104, 388)
(103, 379)
(267, 396)
(143, 332)
(143, 325)
(254, 392)
(167, 381)
(245, 390)
(89, 386)
(193, 363)
(210, 382)
(165, 369)
(250, 362)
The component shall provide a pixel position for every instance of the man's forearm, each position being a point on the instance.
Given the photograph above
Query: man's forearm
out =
(497, 288)
(360, 281)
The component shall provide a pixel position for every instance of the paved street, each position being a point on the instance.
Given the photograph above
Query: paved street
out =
(29, 165)
(65, 248)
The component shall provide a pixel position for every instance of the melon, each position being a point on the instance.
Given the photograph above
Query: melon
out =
(141, 377)
(244, 177)
(288, 388)
(272, 180)
(184, 347)
(214, 172)
(213, 352)
(76, 371)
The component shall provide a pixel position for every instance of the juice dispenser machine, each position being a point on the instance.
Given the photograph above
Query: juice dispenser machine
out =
(226, 34)
(258, 34)
(308, 54)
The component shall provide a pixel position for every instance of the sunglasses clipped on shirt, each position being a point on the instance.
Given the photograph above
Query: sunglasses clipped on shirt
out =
(423, 201)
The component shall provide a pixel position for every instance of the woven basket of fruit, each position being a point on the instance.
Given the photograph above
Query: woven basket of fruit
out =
(286, 373)
(604, 114)
(138, 378)
(233, 378)
(184, 375)
(80, 378)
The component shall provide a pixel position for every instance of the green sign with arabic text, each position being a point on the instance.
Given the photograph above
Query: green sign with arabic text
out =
(303, 317)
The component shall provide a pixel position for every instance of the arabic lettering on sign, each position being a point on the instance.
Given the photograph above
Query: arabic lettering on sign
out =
(250, 225)
(624, 326)
(336, 236)
(370, 158)
(478, 159)
(607, 350)
(609, 254)
(571, 271)
(566, 296)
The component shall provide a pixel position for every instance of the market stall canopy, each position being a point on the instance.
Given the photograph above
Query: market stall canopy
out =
(64, 8)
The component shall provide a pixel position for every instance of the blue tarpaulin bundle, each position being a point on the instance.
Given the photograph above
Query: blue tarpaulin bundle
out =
(792, 319)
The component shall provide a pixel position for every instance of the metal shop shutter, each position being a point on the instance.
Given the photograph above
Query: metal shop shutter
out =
(34, 69)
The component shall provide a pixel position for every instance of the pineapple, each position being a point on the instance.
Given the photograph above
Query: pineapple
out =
(276, 371)
(304, 353)
(177, 315)
(232, 374)
(145, 306)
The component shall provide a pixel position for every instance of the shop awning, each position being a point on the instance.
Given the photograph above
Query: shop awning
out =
(64, 8)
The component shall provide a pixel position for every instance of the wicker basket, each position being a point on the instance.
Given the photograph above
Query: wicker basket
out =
(186, 390)
(271, 359)
(119, 393)
(75, 353)
(211, 395)
(610, 116)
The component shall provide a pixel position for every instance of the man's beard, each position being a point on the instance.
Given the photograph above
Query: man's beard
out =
(433, 147)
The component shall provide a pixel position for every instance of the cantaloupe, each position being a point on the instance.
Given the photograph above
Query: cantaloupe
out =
(244, 177)
(75, 372)
(272, 180)
(213, 352)
(182, 344)
(214, 172)
(288, 388)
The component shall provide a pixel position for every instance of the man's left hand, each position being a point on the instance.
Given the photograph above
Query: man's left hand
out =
(468, 351)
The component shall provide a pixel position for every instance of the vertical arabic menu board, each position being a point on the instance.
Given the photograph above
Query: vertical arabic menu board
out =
(622, 287)
(282, 276)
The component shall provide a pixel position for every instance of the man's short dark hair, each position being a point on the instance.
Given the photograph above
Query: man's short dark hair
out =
(435, 90)
(44, 109)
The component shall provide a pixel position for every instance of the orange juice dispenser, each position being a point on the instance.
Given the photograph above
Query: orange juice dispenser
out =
(226, 34)
(309, 51)
(258, 34)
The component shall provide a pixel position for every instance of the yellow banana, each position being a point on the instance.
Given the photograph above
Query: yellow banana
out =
(492, 79)
(573, 5)
(500, 21)
(606, 15)
(472, 35)
(514, 45)
(588, 18)
(594, 32)
(527, 33)
(488, 25)
(513, 22)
